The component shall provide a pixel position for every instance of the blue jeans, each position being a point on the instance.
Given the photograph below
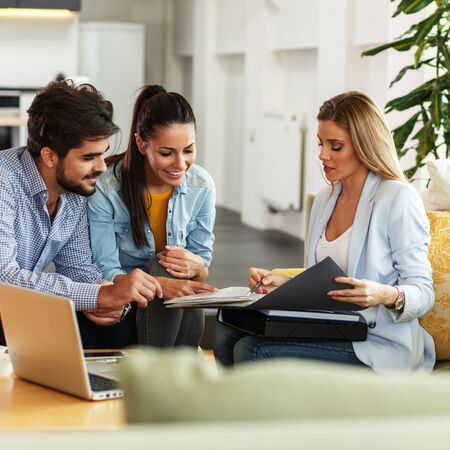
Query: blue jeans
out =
(232, 347)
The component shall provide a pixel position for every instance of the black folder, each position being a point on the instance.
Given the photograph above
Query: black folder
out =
(303, 309)
(308, 290)
(264, 324)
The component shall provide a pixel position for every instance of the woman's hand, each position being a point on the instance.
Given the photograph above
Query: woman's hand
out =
(270, 280)
(365, 293)
(179, 288)
(182, 263)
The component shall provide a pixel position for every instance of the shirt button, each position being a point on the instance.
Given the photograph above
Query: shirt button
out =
(170, 211)
(148, 231)
(169, 234)
(126, 231)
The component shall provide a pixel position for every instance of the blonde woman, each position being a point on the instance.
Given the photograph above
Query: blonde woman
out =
(372, 223)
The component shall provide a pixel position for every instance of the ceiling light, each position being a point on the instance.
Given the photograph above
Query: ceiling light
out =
(25, 12)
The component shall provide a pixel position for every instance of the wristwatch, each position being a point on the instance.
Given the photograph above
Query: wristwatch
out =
(399, 304)
(126, 310)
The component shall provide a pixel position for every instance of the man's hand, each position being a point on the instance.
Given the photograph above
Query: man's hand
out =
(179, 288)
(104, 317)
(137, 286)
(182, 263)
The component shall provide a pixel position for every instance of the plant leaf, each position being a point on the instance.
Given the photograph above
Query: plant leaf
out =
(418, 54)
(402, 132)
(425, 144)
(444, 50)
(402, 72)
(415, 6)
(400, 45)
(436, 109)
(442, 83)
(410, 30)
(425, 28)
(409, 173)
(447, 142)
(420, 94)
(415, 97)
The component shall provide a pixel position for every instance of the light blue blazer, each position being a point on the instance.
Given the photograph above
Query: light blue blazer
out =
(388, 244)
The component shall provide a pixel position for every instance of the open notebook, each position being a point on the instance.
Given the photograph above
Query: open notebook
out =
(231, 296)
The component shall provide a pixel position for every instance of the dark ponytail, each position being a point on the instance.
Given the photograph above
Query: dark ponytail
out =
(154, 108)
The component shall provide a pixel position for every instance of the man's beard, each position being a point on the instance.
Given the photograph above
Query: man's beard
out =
(71, 186)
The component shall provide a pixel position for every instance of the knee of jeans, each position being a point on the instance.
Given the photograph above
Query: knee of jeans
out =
(194, 314)
(247, 349)
(224, 340)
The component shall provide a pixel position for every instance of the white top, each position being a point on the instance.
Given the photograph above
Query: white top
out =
(337, 249)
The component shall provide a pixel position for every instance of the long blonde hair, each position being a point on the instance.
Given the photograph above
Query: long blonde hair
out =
(372, 141)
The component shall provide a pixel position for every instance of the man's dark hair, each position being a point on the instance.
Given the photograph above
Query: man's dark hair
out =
(63, 115)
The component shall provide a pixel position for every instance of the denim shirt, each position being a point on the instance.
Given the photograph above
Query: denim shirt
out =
(190, 221)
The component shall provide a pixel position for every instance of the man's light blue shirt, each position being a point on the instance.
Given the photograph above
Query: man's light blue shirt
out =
(190, 222)
(29, 241)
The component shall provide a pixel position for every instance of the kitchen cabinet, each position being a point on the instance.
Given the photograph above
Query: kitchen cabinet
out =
(73, 5)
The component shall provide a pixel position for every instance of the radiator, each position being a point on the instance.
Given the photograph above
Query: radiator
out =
(282, 156)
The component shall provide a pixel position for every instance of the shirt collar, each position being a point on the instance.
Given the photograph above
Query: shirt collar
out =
(370, 186)
(36, 184)
(182, 188)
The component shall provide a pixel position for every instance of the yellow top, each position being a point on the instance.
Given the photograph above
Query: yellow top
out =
(157, 209)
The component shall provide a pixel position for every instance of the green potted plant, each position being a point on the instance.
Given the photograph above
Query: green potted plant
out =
(429, 124)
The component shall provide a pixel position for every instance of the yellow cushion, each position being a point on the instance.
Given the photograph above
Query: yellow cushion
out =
(437, 321)
(289, 272)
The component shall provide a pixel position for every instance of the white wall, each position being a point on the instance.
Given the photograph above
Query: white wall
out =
(235, 59)
(33, 50)
(232, 130)
(254, 55)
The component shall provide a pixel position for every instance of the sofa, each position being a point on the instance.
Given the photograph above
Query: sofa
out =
(179, 400)
(437, 321)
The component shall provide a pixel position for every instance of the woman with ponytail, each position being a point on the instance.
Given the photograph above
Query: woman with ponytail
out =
(154, 209)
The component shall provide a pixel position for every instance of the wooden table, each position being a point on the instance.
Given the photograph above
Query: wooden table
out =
(28, 406)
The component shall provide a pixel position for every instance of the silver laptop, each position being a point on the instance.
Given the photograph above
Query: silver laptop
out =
(44, 343)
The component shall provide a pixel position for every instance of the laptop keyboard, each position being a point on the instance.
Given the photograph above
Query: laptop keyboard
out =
(100, 383)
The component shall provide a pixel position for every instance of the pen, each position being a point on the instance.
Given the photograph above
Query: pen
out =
(256, 286)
